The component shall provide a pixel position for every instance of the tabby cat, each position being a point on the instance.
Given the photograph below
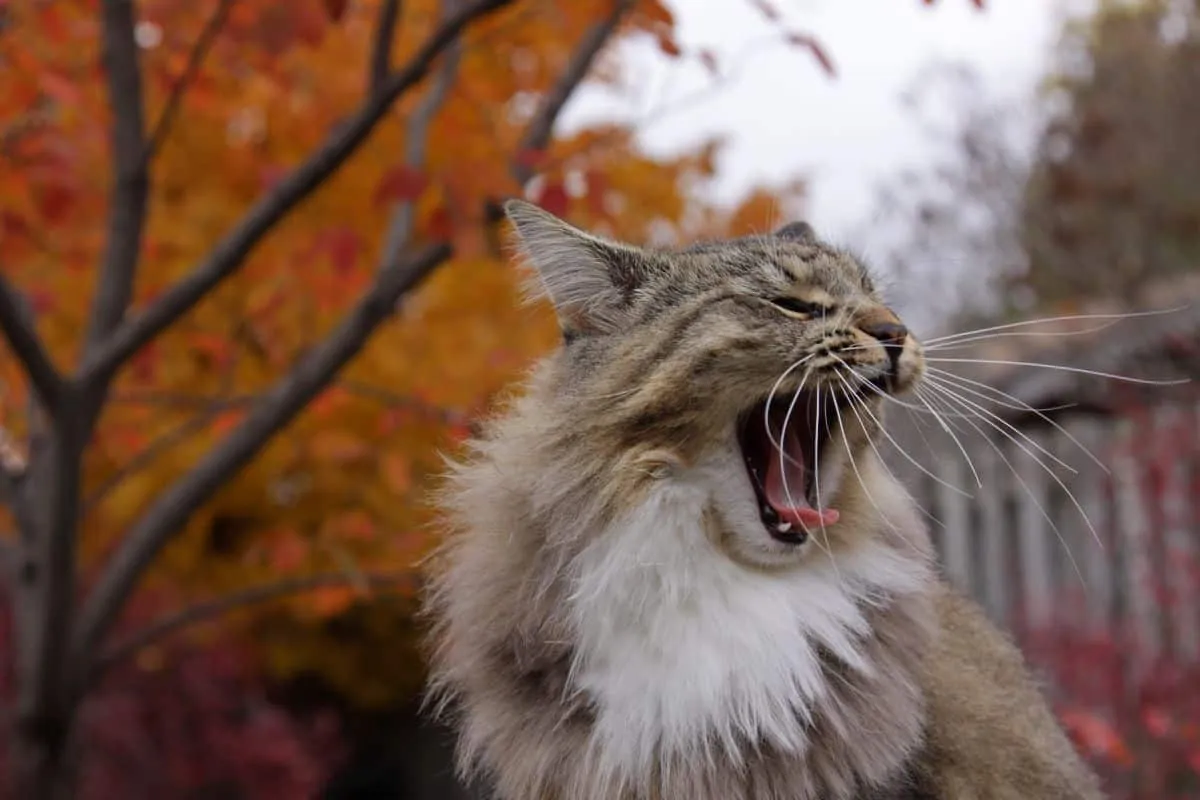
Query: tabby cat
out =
(677, 568)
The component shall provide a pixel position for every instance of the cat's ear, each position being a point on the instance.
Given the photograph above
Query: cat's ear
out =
(797, 232)
(589, 280)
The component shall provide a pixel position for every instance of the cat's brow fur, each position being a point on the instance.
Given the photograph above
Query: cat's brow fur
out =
(611, 621)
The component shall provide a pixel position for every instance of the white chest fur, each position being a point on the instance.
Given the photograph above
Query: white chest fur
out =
(682, 648)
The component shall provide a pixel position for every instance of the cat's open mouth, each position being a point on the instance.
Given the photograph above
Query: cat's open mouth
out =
(783, 462)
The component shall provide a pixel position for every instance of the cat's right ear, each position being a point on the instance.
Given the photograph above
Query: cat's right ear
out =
(589, 280)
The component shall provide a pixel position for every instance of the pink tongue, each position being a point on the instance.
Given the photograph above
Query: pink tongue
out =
(789, 503)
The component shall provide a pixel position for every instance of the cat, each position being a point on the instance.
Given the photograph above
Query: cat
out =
(676, 568)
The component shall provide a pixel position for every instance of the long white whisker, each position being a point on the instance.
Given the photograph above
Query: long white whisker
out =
(951, 394)
(771, 398)
(987, 337)
(787, 418)
(851, 402)
(817, 477)
(900, 449)
(959, 380)
(993, 419)
(1033, 497)
(942, 422)
(1065, 318)
(1061, 368)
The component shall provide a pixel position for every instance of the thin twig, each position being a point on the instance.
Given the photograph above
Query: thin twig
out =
(381, 53)
(16, 322)
(195, 60)
(178, 400)
(131, 181)
(150, 454)
(166, 517)
(229, 254)
(210, 610)
(400, 229)
(541, 127)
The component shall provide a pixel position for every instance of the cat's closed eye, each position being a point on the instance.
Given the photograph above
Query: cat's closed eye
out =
(796, 306)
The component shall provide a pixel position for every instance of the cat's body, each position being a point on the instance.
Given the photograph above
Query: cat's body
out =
(632, 605)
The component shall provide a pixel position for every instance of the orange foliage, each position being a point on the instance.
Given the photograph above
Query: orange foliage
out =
(343, 487)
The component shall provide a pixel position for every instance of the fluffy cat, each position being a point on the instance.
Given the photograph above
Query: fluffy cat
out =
(677, 568)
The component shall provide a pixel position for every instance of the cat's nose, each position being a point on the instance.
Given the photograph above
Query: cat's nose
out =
(891, 335)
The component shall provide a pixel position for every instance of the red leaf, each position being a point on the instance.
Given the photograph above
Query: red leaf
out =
(554, 198)
(440, 225)
(667, 43)
(268, 177)
(804, 40)
(343, 246)
(59, 87)
(41, 301)
(596, 191)
(287, 551)
(400, 184)
(336, 9)
(1157, 722)
(531, 158)
(54, 201)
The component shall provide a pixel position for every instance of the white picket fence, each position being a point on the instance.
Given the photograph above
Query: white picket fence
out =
(1104, 545)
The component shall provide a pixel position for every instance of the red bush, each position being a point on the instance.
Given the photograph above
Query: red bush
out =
(190, 722)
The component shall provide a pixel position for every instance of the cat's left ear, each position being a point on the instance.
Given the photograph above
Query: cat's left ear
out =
(797, 232)
(589, 280)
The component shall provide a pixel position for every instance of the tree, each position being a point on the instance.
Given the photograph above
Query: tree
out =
(1114, 197)
(1106, 197)
(223, 290)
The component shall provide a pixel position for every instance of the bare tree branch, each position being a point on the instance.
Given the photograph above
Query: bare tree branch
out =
(541, 127)
(288, 397)
(18, 328)
(416, 139)
(131, 182)
(381, 53)
(195, 59)
(212, 609)
(229, 254)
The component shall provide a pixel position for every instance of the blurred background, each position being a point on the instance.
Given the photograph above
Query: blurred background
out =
(258, 244)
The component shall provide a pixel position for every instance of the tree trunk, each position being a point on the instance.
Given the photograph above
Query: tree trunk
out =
(40, 766)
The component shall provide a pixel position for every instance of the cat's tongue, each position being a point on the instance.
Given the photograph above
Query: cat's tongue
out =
(789, 501)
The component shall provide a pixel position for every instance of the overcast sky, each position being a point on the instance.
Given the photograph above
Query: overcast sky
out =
(786, 118)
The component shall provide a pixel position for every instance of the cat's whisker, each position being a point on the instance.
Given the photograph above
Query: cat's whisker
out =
(771, 398)
(787, 418)
(964, 384)
(945, 427)
(1064, 318)
(817, 481)
(1062, 368)
(968, 340)
(902, 451)
(995, 420)
(953, 395)
(851, 402)
(1033, 496)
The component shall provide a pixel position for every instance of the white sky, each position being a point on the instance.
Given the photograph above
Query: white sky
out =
(785, 118)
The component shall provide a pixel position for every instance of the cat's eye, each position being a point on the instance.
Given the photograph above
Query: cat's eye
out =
(794, 305)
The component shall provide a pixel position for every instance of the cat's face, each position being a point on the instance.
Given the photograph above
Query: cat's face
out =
(761, 364)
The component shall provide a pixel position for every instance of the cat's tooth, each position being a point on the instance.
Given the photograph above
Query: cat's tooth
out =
(783, 527)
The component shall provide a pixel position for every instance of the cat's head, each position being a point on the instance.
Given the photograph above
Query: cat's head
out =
(763, 360)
